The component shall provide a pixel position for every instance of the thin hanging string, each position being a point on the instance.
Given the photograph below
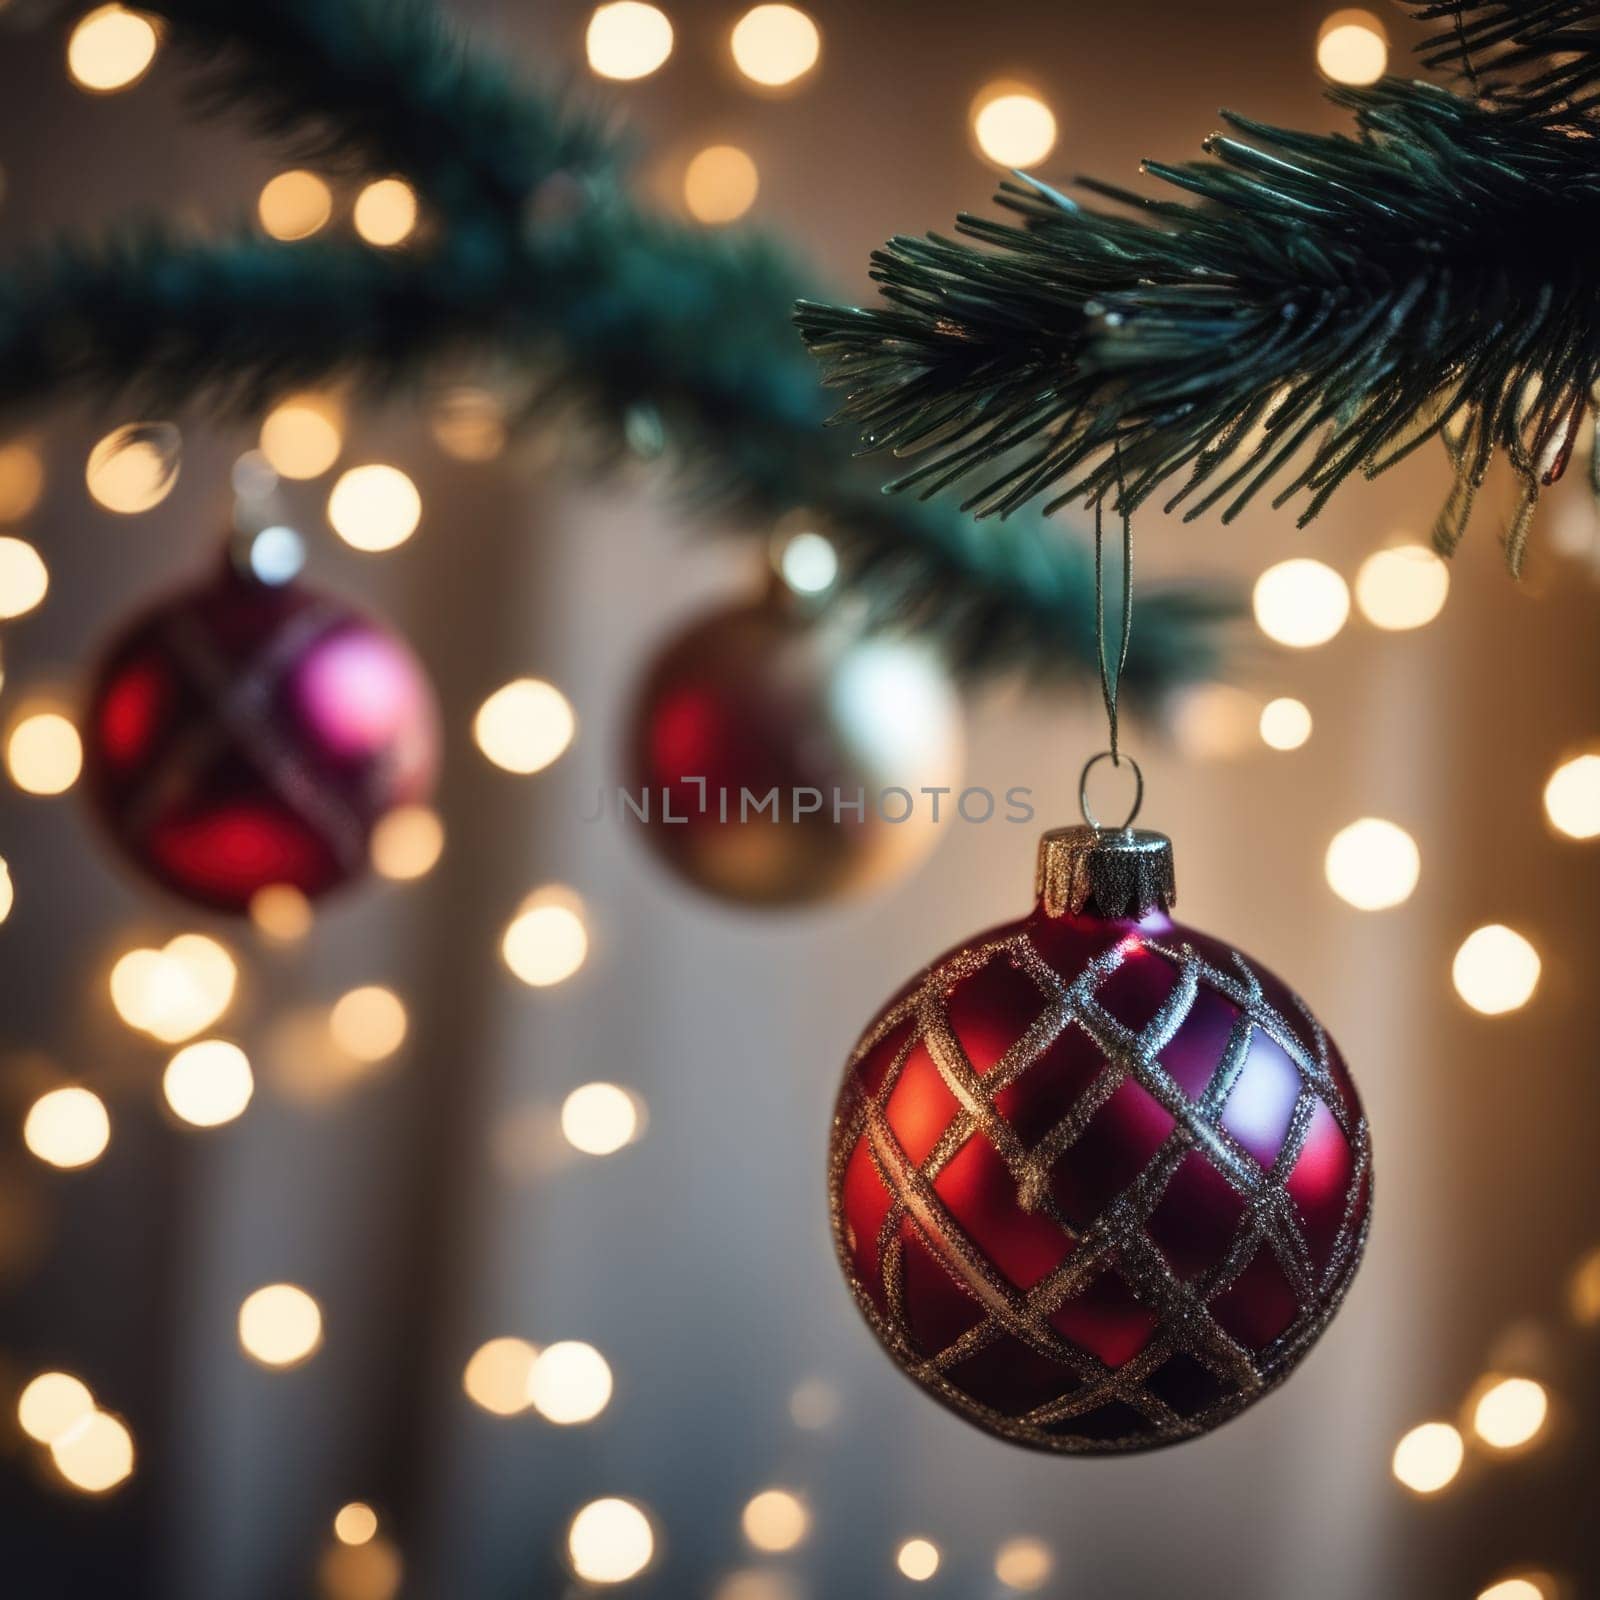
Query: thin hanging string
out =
(1111, 676)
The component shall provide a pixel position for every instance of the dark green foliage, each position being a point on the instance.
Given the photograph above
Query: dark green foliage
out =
(1319, 306)
(536, 259)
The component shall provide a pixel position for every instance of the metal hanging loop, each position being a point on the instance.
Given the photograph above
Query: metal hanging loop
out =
(1083, 793)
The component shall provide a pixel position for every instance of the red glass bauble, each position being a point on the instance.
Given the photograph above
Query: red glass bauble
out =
(1098, 1181)
(243, 734)
(776, 758)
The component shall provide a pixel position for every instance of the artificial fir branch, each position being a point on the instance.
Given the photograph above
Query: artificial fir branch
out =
(1542, 56)
(599, 304)
(1319, 307)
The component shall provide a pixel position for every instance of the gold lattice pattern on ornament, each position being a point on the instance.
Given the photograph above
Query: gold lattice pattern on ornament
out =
(1117, 1240)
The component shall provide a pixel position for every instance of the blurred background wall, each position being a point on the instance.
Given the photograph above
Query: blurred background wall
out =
(430, 1203)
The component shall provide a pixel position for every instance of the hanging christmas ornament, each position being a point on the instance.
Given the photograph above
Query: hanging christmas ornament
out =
(1098, 1181)
(249, 732)
(776, 758)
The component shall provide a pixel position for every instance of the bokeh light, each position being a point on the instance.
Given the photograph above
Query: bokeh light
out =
(524, 725)
(276, 555)
(1013, 127)
(51, 1404)
(469, 424)
(1510, 1412)
(1496, 970)
(368, 1023)
(374, 507)
(369, 1571)
(814, 1404)
(627, 40)
(610, 1541)
(1285, 723)
(1515, 1589)
(174, 992)
(281, 913)
(1402, 587)
(1583, 1292)
(569, 1382)
(208, 1083)
(303, 435)
(385, 212)
(67, 1128)
(917, 1559)
(1429, 1457)
(407, 842)
(1214, 721)
(1352, 47)
(1572, 797)
(95, 1454)
(809, 563)
(775, 45)
(1301, 603)
(355, 1524)
(280, 1325)
(1373, 864)
(497, 1374)
(1024, 1564)
(547, 941)
(599, 1118)
(294, 205)
(720, 184)
(21, 479)
(111, 48)
(44, 754)
(133, 468)
(24, 578)
(775, 1520)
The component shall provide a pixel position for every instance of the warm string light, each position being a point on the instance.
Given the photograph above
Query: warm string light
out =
(600, 1118)
(1402, 587)
(355, 1523)
(133, 468)
(368, 1023)
(21, 479)
(385, 212)
(1012, 126)
(44, 754)
(1373, 864)
(303, 435)
(524, 725)
(917, 1559)
(775, 1520)
(775, 45)
(407, 843)
(111, 48)
(1352, 47)
(569, 1383)
(1496, 970)
(1510, 1413)
(1519, 1588)
(1428, 1458)
(610, 1541)
(24, 578)
(95, 1454)
(51, 1404)
(720, 184)
(496, 1376)
(208, 1083)
(627, 40)
(1285, 723)
(294, 205)
(1583, 1292)
(1572, 797)
(374, 507)
(1024, 1564)
(177, 991)
(1300, 603)
(8, 894)
(281, 913)
(546, 942)
(67, 1128)
(280, 1325)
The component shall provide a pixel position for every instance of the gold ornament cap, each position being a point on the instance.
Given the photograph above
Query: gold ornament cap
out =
(1126, 872)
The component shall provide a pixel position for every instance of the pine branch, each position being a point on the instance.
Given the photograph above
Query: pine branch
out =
(620, 312)
(1320, 307)
(386, 86)
(1543, 56)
